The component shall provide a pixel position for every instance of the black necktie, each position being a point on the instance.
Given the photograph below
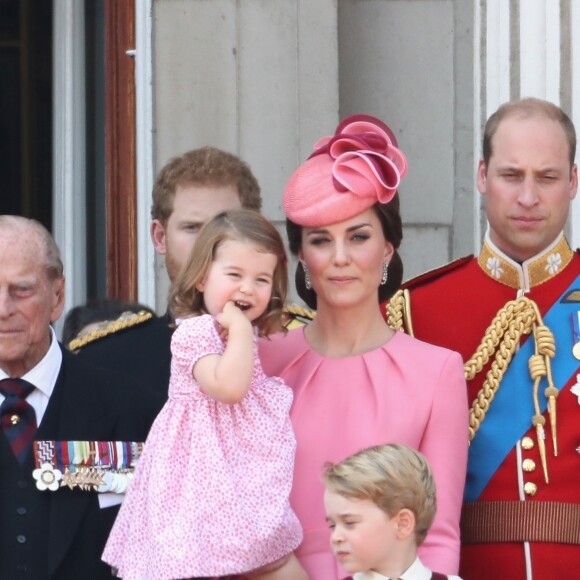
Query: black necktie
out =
(17, 416)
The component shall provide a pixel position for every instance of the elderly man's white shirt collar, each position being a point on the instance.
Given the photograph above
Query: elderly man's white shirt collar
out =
(43, 376)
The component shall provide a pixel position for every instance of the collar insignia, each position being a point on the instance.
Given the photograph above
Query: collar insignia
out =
(530, 273)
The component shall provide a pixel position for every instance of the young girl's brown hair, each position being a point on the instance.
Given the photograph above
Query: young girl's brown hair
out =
(239, 225)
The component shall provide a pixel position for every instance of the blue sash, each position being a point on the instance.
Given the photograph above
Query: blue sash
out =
(509, 415)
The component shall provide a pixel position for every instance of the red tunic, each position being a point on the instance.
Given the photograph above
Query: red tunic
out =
(452, 307)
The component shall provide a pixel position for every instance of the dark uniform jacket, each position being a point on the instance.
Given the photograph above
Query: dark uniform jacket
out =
(141, 352)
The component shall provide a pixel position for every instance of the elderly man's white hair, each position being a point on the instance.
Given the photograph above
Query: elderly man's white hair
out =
(26, 226)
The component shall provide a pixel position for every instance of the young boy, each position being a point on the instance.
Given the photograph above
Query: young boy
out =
(380, 504)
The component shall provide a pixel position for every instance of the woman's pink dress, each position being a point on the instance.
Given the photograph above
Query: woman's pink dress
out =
(210, 492)
(406, 392)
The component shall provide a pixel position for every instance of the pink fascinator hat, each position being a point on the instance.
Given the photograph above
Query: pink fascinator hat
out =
(349, 172)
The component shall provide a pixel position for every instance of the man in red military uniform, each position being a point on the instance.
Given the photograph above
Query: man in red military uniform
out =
(513, 312)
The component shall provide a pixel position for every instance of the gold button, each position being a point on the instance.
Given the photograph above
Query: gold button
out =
(527, 443)
(530, 488)
(14, 419)
(528, 465)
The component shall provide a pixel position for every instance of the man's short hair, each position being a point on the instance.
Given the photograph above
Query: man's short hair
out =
(525, 109)
(207, 166)
(393, 477)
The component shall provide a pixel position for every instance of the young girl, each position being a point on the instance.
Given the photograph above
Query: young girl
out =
(210, 492)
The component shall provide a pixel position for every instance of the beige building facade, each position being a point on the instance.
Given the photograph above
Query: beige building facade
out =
(265, 78)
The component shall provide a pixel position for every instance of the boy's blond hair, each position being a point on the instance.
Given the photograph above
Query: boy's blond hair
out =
(393, 477)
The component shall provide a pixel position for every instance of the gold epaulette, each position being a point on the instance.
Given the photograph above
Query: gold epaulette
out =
(295, 316)
(108, 327)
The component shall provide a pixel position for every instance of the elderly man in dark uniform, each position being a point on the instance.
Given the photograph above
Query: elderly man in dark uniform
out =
(47, 394)
(188, 192)
(514, 314)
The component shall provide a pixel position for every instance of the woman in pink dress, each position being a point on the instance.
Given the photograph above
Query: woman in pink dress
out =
(356, 382)
(210, 496)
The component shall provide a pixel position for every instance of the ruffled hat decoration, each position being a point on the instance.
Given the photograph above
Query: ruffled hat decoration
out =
(349, 172)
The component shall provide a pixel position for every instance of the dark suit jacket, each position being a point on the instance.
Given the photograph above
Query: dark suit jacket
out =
(141, 352)
(88, 404)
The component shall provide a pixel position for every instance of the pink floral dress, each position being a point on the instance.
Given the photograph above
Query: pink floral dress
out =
(210, 492)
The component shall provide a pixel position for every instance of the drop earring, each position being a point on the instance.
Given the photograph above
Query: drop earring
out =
(307, 280)
(385, 276)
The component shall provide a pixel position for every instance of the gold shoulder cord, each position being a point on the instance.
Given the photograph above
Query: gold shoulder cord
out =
(126, 320)
(516, 319)
(502, 337)
(297, 310)
(296, 316)
(399, 312)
